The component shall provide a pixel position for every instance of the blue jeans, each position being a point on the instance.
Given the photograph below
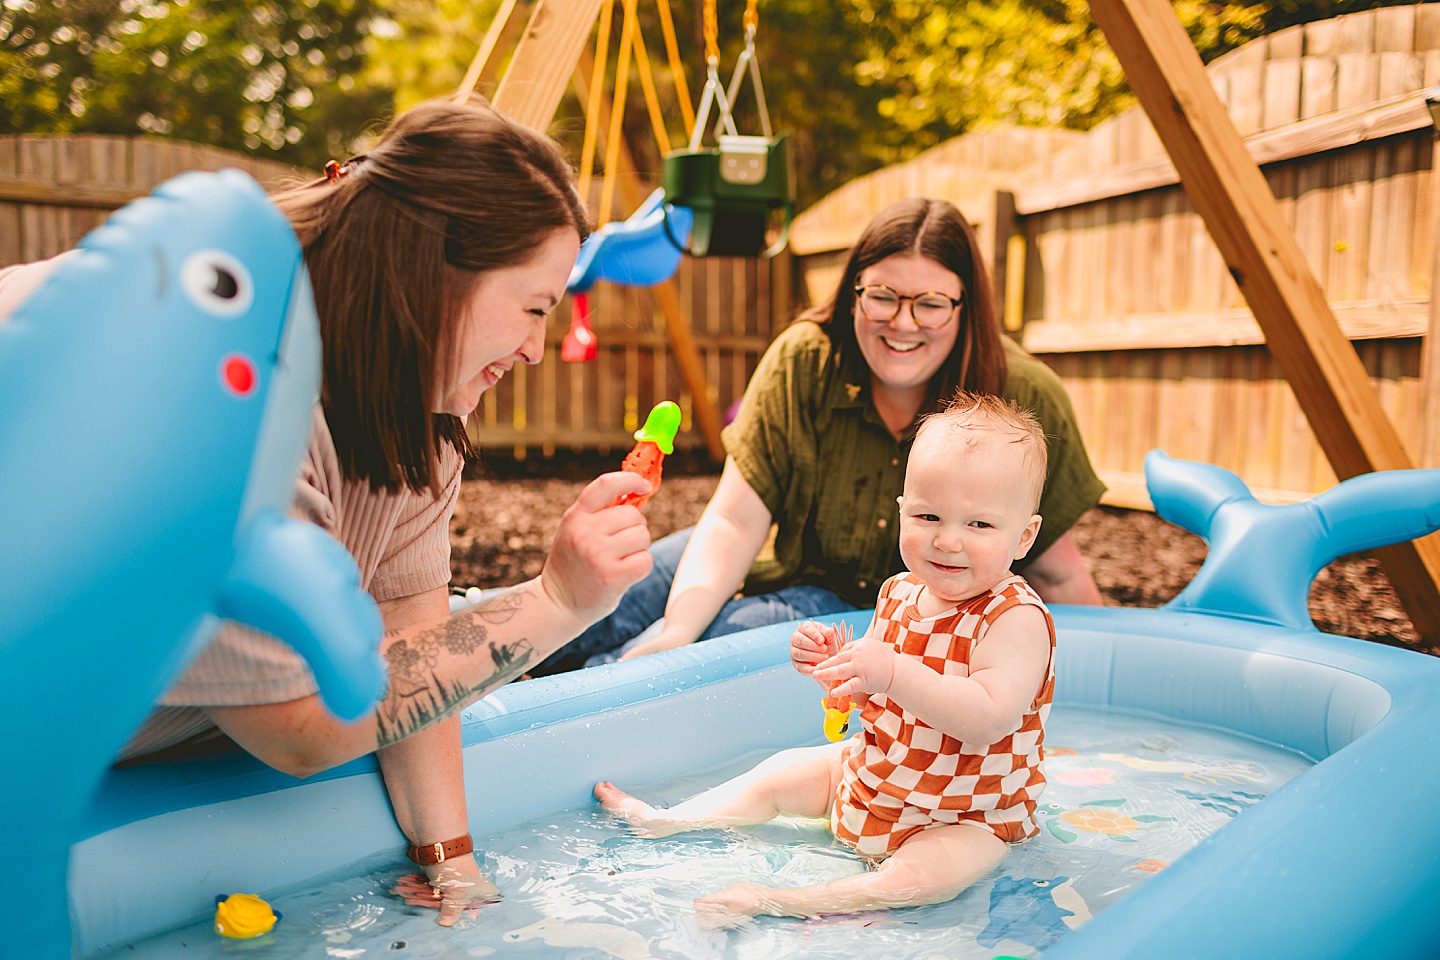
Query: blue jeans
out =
(644, 603)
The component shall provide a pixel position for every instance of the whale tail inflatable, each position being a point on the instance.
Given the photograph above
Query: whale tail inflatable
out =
(1263, 557)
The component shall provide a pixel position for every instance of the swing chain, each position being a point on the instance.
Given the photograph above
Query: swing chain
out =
(747, 64)
(712, 35)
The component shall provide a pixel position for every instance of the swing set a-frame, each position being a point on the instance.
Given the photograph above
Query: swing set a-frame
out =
(733, 198)
(1224, 185)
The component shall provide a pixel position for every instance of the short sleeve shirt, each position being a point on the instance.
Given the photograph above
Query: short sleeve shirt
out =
(399, 539)
(810, 442)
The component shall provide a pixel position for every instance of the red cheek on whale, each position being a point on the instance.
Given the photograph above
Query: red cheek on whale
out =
(238, 375)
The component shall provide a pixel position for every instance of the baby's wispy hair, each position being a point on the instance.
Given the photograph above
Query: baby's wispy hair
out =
(981, 412)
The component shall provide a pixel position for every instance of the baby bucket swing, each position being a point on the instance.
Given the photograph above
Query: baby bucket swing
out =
(734, 187)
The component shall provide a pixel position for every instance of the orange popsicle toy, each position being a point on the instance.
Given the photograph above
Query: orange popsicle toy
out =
(653, 442)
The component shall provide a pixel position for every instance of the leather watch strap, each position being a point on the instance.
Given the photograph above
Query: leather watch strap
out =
(428, 854)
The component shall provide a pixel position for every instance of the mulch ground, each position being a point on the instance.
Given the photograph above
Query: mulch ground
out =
(509, 510)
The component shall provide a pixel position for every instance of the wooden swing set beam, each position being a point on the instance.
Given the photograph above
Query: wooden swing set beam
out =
(1229, 192)
(554, 41)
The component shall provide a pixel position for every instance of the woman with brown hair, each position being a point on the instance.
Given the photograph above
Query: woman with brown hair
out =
(435, 260)
(804, 519)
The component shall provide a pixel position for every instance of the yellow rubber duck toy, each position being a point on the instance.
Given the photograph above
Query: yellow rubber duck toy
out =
(837, 716)
(243, 916)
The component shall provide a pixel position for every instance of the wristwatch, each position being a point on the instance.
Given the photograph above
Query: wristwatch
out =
(432, 853)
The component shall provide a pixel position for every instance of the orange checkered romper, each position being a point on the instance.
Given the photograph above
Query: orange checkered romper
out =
(900, 775)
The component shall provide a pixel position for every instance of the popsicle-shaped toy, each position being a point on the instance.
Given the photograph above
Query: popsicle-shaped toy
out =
(837, 716)
(837, 709)
(652, 443)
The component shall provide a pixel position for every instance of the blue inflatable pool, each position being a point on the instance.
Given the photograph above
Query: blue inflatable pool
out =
(1341, 862)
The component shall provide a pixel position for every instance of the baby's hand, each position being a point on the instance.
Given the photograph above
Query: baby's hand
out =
(865, 666)
(811, 644)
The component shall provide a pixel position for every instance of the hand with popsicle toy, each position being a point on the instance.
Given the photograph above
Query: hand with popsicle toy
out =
(654, 442)
(812, 644)
(837, 709)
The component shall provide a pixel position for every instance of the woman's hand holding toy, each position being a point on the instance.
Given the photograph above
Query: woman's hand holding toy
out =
(600, 549)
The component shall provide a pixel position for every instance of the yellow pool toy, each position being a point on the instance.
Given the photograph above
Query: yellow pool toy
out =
(837, 709)
(243, 916)
(837, 717)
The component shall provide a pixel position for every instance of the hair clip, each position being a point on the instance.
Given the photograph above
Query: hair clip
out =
(334, 171)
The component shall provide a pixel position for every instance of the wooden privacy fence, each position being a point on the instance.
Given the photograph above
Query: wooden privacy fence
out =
(735, 307)
(55, 189)
(1108, 274)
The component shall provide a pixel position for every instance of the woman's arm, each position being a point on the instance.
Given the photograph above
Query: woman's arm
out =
(726, 541)
(425, 778)
(441, 666)
(1061, 575)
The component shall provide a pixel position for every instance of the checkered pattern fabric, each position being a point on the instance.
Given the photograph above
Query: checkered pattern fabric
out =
(900, 775)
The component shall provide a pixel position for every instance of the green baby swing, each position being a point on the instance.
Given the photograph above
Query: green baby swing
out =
(736, 186)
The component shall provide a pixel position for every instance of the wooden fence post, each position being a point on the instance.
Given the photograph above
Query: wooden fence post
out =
(1430, 344)
(1230, 194)
(1008, 261)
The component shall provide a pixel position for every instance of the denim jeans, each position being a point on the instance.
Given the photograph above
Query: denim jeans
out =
(644, 603)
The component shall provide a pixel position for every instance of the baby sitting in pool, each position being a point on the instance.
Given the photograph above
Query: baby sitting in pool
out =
(954, 675)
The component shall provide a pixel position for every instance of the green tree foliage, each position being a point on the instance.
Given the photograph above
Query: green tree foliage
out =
(275, 78)
(859, 84)
(420, 49)
(921, 71)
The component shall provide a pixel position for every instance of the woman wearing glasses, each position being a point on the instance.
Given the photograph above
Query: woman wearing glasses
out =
(804, 520)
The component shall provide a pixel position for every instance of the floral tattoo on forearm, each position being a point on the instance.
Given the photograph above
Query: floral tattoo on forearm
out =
(419, 696)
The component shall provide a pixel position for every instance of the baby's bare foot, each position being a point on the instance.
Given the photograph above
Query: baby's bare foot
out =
(644, 819)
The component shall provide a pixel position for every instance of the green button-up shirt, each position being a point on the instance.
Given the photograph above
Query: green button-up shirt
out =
(810, 442)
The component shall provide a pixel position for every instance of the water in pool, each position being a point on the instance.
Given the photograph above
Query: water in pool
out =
(1127, 796)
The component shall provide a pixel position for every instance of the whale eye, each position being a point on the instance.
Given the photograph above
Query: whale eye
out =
(1042, 883)
(217, 283)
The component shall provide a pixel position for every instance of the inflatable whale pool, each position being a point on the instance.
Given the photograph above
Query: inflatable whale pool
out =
(1337, 862)
(155, 399)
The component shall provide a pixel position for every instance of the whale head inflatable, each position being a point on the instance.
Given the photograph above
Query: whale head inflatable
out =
(156, 395)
